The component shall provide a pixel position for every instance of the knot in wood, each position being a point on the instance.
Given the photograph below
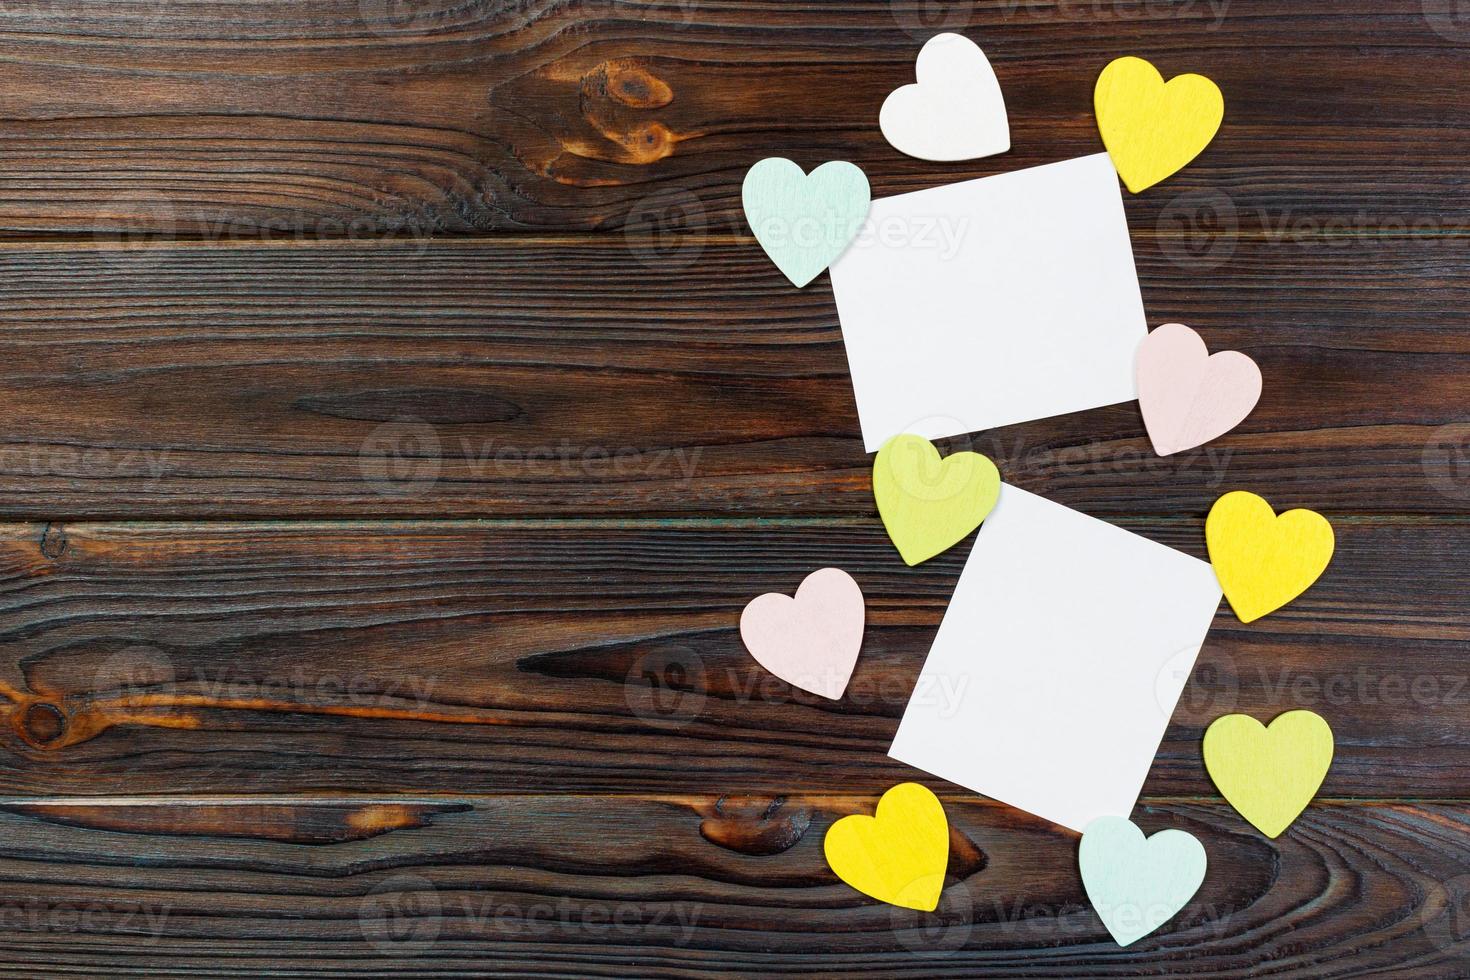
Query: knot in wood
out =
(53, 541)
(43, 723)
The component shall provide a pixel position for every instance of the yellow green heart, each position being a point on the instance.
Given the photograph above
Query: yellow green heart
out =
(1153, 129)
(1269, 774)
(899, 854)
(1264, 561)
(928, 504)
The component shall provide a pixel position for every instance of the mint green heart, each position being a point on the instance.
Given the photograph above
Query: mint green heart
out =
(804, 222)
(1136, 885)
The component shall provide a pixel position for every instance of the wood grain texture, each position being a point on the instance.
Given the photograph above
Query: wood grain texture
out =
(579, 377)
(355, 117)
(369, 606)
(510, 657)
(673, 886)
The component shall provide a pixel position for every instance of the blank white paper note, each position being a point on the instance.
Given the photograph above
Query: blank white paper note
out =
(991, 302)
(1059, 662)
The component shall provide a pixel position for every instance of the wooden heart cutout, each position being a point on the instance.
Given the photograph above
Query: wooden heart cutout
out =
(1269, 774)
(899, 854)
(1264, 561)
(810, 641)
(805, 221)
(928, 504)
(1189, 396)
(1136, 884)
(955, 111)
(1153, 129)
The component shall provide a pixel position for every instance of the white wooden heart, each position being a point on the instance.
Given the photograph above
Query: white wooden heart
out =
(955, 111)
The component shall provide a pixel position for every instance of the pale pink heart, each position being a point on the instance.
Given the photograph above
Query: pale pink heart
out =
(811, 641)
(1189, 396)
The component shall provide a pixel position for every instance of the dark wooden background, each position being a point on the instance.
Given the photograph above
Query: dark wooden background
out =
(397, 415)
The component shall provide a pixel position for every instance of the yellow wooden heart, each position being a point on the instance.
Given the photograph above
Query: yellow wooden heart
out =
(1264, 561)
(899, 854)
(928, 504)
(1269, 774)
(1152, 129)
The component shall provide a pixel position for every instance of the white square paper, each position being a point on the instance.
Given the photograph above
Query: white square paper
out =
(991, 302)
(1059, 662)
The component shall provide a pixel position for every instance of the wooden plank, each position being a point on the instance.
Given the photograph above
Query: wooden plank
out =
(694, 885)
(595, 378)
(533, 744)
(353, 117)
(493, 657)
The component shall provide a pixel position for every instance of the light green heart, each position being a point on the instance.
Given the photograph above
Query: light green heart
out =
(805, 221)
(928, 504)
(1137, 884)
